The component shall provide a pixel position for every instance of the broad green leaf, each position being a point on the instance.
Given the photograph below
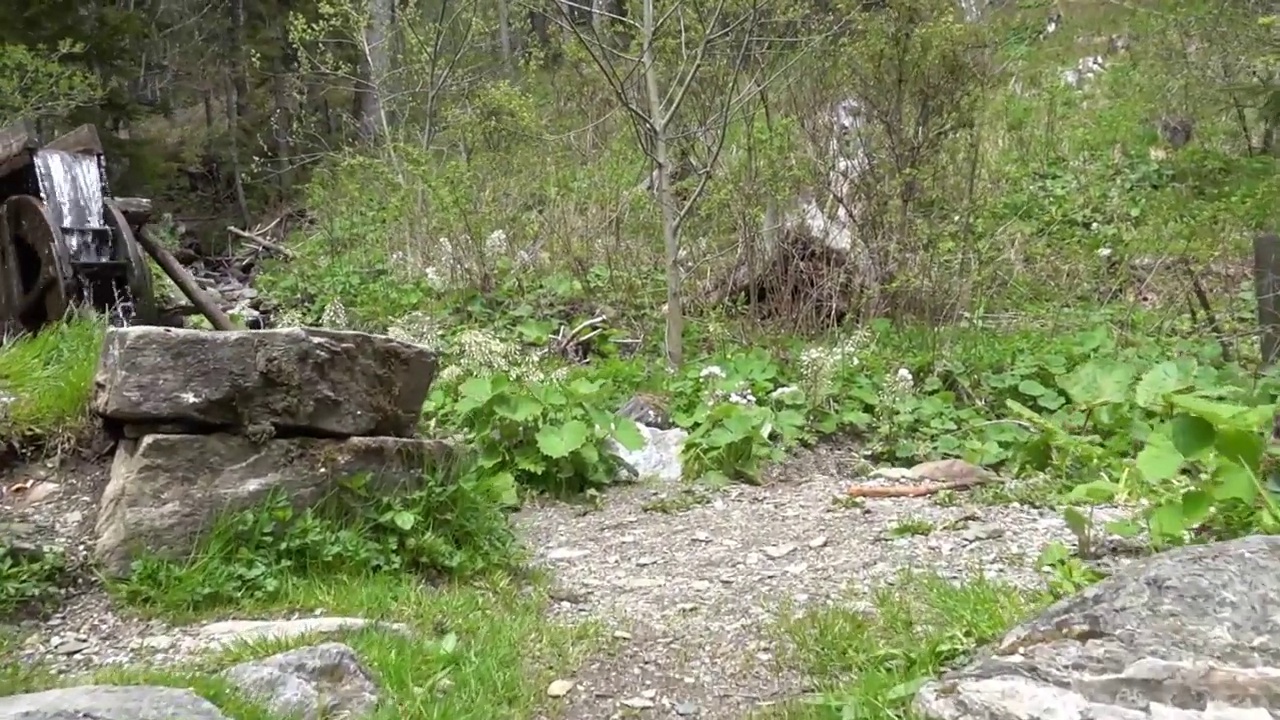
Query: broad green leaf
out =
(721, 436)
(1240, 446)
(490, 455)
(1159, 459)
(560, 441)
(583, 386)
(1160, 381)
(520, 408)
(1094, 492)
(1051, 401)
(404, 519)
(1232, 481)
(1166, 520)
(504, 490)
(588, 453)
(531, 461)
(1029, 415)
(473, 393)
(1078, 523)
(1098, 382)
(1191, 434)
(627, 433)
(1195, 507)
(1032, 388)
(1223, 415)
(1124, 528)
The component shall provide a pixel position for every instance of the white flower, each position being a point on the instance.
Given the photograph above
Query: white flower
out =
(904, 377)
(711, 371)
(783, 391)
(1105, 252)
(334, 315)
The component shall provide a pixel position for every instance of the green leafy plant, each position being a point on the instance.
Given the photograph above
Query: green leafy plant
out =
(732, 434)
(544, 436)
(1067, 574)
(28, 580)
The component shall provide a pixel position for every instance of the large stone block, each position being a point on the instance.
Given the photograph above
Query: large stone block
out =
(166, 491)
(1189, 634)
(303, 381)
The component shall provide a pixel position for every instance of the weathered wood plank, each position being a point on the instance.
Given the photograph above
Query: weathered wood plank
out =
(135, 209)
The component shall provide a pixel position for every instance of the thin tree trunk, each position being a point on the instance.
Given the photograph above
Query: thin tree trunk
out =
(666, 197)
(233, 122)
(376, 67)
(504, 35)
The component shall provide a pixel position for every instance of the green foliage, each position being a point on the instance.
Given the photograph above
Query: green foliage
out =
(869, 665)
(541, 435)
(450, 528)
(46, 382)
(38, 83)
(1201, 428)
(1068, 574)
(733, 436)
(29, 581)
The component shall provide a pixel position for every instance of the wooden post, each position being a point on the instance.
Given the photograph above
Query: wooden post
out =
(1266, 277)
(185, 283)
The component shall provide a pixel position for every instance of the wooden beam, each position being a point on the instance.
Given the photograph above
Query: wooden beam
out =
(136, 210)
(185, 283)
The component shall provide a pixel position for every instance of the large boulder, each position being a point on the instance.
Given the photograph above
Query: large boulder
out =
(300, 381)
(1190, 634)
(109, 702)
(166, 491)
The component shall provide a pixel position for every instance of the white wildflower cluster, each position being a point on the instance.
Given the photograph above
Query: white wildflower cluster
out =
(819, 365)
(288, 318)
(417, 328)
(480, 352)
(784, 392)
(439, 272)
(901, 382)
(719, 392)
(335, 316)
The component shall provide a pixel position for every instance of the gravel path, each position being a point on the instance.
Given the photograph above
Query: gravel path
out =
(693, 595)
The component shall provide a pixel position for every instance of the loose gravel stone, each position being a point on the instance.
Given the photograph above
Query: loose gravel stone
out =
(698, 592)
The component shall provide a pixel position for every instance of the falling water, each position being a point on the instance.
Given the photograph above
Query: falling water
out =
(72, 184)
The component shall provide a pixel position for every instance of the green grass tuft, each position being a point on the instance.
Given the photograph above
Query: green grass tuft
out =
(868, 665)
(46, 382)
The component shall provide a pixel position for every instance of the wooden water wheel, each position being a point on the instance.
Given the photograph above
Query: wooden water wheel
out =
(137, 272)
(34, 277)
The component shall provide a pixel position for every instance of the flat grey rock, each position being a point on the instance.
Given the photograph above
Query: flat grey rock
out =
(1189, 634)
(109, 702)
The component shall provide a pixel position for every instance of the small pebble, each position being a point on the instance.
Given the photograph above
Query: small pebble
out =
(559, 688)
